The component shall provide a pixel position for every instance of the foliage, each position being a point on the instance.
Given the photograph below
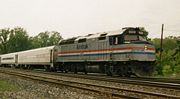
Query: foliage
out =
(170, 56)
(46, 39)
(169, 43)
(4, 39)
(144, 31)
(167, 69)
(17, 39)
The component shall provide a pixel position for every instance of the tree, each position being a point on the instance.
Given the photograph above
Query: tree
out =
(55, 37)
(34, 42)
(170, 55)
(4, 39)
(46, 39)
(144, 31)
(19, 40)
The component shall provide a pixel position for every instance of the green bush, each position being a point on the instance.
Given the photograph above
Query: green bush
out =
(170, 56)
(167, 70)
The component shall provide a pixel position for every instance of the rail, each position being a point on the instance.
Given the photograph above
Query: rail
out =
(93, 87)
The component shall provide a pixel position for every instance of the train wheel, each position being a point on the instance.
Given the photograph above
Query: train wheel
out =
(75, 72)
(108, 70)
(21, 66)
(60, 68)
(53, 69)
(75, 69)
(47, 68)
(109, 73)
(66, 71)
(125, 71)
(25, 67)
(85, 69)
(119, 72)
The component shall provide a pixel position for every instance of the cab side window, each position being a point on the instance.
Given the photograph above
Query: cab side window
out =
(115, 40)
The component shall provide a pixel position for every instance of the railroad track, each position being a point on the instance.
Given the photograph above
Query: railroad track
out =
(157, 82)
(91, 75)
(93, 87)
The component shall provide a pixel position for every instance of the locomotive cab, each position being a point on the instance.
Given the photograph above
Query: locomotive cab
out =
(132, 52)
(129, 37)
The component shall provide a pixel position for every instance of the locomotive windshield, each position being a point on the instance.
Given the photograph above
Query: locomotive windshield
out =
(142, 38)
(119, 39)
(134, 38)
(134, 35)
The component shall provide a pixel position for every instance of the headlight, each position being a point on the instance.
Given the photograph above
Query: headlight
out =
(145, 47)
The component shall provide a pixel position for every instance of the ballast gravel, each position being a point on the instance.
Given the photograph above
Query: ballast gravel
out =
(28, 89)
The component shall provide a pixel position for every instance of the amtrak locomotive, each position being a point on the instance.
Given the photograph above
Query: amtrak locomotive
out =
(123, 52)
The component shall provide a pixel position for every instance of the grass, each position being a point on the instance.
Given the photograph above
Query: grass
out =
(173, 76)
(5, 86)
(178, 76)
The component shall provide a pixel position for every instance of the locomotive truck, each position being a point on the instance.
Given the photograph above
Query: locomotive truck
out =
(124, 52)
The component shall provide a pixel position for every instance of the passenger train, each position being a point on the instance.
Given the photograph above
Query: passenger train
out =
(124, 52)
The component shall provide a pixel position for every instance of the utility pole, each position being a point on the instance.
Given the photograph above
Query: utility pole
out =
(161, 45)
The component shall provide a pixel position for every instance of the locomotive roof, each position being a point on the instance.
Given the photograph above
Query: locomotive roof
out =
(97, 35)
(109, 33)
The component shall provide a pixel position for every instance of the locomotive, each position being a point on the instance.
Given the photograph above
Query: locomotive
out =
(124, 52)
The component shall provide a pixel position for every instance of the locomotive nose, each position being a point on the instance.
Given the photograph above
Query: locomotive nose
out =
(142, 53)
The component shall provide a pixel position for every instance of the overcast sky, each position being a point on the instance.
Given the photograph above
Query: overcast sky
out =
(81, 17)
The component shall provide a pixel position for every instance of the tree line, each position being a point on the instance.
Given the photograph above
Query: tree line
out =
(170, 55)
(17, 39)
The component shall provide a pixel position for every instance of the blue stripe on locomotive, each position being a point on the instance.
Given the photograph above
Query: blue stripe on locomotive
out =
(101, 54)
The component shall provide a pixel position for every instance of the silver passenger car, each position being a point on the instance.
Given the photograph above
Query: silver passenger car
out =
(40, 57)
(8, 59)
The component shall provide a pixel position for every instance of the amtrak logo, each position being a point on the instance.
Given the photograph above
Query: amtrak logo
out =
(84, 46)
